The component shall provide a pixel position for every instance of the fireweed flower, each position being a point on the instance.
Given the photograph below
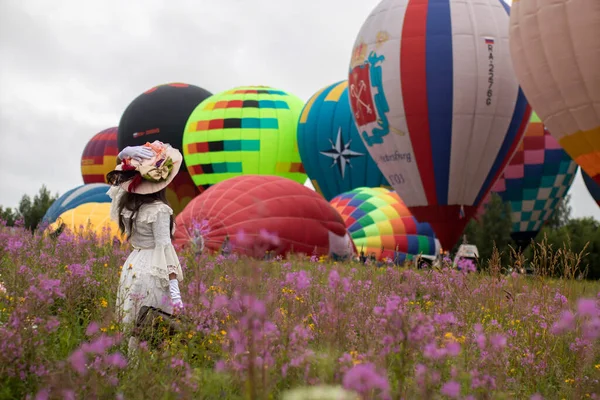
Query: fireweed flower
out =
(588, 308)
(364, 379)
(451, 389)
(565, 323)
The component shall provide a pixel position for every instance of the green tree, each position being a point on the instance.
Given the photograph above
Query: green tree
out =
(561, 215)
(32, 211)
(8, 215)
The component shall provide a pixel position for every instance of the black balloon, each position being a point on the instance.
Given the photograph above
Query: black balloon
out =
(159, 113)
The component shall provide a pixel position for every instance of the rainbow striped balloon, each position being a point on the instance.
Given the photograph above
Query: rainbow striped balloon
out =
(245, 130)
(379, 223)
(99, 156)
(537, 177)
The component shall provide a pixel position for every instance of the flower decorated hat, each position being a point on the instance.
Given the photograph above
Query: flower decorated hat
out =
(148, 175)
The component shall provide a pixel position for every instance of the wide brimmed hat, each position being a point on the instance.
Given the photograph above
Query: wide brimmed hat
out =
(148, 175)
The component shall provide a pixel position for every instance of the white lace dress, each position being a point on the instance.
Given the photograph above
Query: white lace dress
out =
(145, 275)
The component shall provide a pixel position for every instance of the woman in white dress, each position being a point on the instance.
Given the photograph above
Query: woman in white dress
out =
(151, 273)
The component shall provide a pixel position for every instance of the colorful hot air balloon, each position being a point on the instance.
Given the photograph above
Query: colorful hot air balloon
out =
(90, 193)
(592, 187)
(379, 223)
(94, 217)
(333, 155)
(437, 104)
(259, 213)
(245, 130)
(99, 156)
(86, 206)
(160, 113)
(538, 176)
(556, 56)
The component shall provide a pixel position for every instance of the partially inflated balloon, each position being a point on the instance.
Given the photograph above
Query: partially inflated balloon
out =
(538, 176)
(88, 217)
(556, 55)
(90, 193)
(259, 213)
(592, 187)
(437, 103)
(333, 155)
(379, 223)
(245, 130)
(99, 156)
(160, 113)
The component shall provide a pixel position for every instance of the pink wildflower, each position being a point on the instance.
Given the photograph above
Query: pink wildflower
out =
(451, 389)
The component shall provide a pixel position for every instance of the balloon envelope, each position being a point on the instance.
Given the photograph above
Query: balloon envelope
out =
(160, 113)
(93, 217)
(437, 103)
(556, 56)
(379, 223)
(99, 156)
(333, 155)
(259, 213)
(245, 130)
(592, 187)
(538, 176)
(90, 193)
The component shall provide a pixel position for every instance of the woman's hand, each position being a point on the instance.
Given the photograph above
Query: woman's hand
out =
(175, 294)
(136, 152)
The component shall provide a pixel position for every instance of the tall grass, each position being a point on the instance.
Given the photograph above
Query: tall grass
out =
(256, 329)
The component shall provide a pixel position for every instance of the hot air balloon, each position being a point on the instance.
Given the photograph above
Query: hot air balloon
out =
(537, 177)
(333, 155)
(380, 224)
(90, 193)
(160, 113)
(99, 156)
(245, 130)
(556, 53)
(82, 208)
(437, 104)
(258, 213)
(592, 187)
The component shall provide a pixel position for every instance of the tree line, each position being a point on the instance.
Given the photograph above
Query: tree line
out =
(491, 233)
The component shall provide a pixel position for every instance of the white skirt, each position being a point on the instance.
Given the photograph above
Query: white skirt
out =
(138, 288)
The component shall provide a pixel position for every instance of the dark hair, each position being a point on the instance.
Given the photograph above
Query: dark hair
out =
(133, 202)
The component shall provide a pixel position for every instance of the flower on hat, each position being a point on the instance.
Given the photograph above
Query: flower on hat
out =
(159, 169)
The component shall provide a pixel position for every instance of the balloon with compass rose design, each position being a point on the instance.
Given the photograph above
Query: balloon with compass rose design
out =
(333, 155)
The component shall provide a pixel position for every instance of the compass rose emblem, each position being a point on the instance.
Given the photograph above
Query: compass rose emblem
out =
(340, 153)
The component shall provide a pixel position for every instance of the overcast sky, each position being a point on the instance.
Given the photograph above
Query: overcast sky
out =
(68, 69)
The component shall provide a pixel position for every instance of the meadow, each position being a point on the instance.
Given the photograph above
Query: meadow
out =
(297, 328)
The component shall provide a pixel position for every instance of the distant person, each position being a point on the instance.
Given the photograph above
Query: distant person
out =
(151, 273)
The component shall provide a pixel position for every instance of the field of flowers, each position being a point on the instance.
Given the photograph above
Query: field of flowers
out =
(258, 329)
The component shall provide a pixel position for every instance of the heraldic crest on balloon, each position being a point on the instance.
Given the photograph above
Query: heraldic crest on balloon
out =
(370, 108)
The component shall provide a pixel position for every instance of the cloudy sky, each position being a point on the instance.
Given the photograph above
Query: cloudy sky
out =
(69, 68)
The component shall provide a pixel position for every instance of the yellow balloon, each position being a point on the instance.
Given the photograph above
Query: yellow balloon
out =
(555, 51)
(94, 217)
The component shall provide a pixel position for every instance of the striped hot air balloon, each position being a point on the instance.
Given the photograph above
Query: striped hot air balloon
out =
(245, 130)
(333, 155)
(537, 177)
(380, 223)
(437, 103)
(100, 156)
(83, 208)
(90, 193)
